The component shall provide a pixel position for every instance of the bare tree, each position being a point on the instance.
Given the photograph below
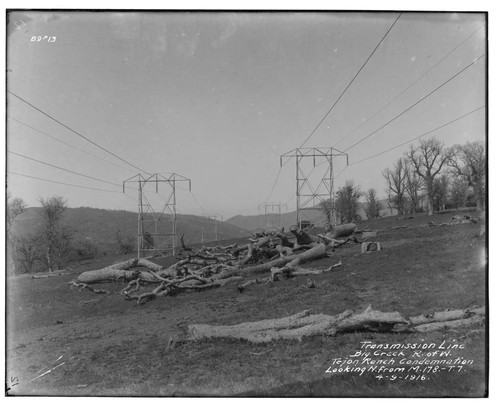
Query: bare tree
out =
(57, 238)
(458, 192)
(469, 163)
(373, 206)
(396, 185)
(428, 159)
(28, 251)
(413, 186)
(15, 207)
(441, 190)
(348, 201)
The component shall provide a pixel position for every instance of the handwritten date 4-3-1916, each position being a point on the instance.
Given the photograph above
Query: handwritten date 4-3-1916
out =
(44, 38)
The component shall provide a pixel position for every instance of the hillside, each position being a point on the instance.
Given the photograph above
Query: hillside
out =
(257, 222)
(101, 225)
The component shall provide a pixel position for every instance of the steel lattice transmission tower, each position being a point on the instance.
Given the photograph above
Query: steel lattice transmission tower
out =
(209, 230)
(310, 193)
(156, 220)
(272, 213)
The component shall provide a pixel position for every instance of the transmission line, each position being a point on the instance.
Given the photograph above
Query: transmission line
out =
(66, 184)
(63, 169)
(417, 137)
(66, 143)
(352, 80)
(407, 88)
(75, 132)
(274, 185)
(413, 105)
(197, 202)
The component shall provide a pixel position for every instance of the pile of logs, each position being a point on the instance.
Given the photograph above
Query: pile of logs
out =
(273, 254)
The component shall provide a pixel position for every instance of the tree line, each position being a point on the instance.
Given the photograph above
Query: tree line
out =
(428, 177)
(52, 245)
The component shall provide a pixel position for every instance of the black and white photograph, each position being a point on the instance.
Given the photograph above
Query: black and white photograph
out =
(246, 203)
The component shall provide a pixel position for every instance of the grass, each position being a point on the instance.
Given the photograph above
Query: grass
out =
(113, 347)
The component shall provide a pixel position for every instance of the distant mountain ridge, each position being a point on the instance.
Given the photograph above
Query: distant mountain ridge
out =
(101, 225)
(254, 223)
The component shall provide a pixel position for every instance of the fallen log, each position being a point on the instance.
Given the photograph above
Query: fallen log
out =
(292, 327)
(83, 286)
(302, 237)
(48, 275)
(290, 271)
(118, 271)
(250, 254)
(304, 324)
(316, 252)
(248, 283)
(457, 323)
(257, 244)
(339, 231)
(374, 321)
(444, 316)
(284, 240)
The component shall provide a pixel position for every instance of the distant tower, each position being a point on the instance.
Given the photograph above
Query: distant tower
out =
(272, 214)
(209, 231)
(156, 214)
(315, 187)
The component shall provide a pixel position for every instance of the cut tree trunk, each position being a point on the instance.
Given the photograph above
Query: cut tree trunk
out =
(119, 271)
(304, 324)
(290, 271)
(317, 252)
(343, 230)
(457, 323)
(292, 327)
(446, 316)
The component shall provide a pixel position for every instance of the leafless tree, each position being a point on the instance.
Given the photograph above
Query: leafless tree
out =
(348, 201)
(441, 189)
(396, 185)
(57, 238)
(428, 160)
(28, 251)
(373, 206)
(469, 163)
(413, 186)
(15, 207)
(458, 192)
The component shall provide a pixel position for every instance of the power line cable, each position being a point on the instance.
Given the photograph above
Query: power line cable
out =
(197, 202)
(352, 80)
(66, 143)
(413, 105)
(339, 173)
(63, 169)
(75, 132)
(66, 184)
(274, 185)
(417, 137)
(407, 88)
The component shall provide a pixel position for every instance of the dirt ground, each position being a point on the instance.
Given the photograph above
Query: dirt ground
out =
(102, 345)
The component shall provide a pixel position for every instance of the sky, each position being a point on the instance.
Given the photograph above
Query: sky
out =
(218, 97)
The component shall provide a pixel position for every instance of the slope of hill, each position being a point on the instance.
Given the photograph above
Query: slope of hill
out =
(100, 226)
(258, 222)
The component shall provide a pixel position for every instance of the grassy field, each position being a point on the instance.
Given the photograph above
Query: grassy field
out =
(110, 346)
